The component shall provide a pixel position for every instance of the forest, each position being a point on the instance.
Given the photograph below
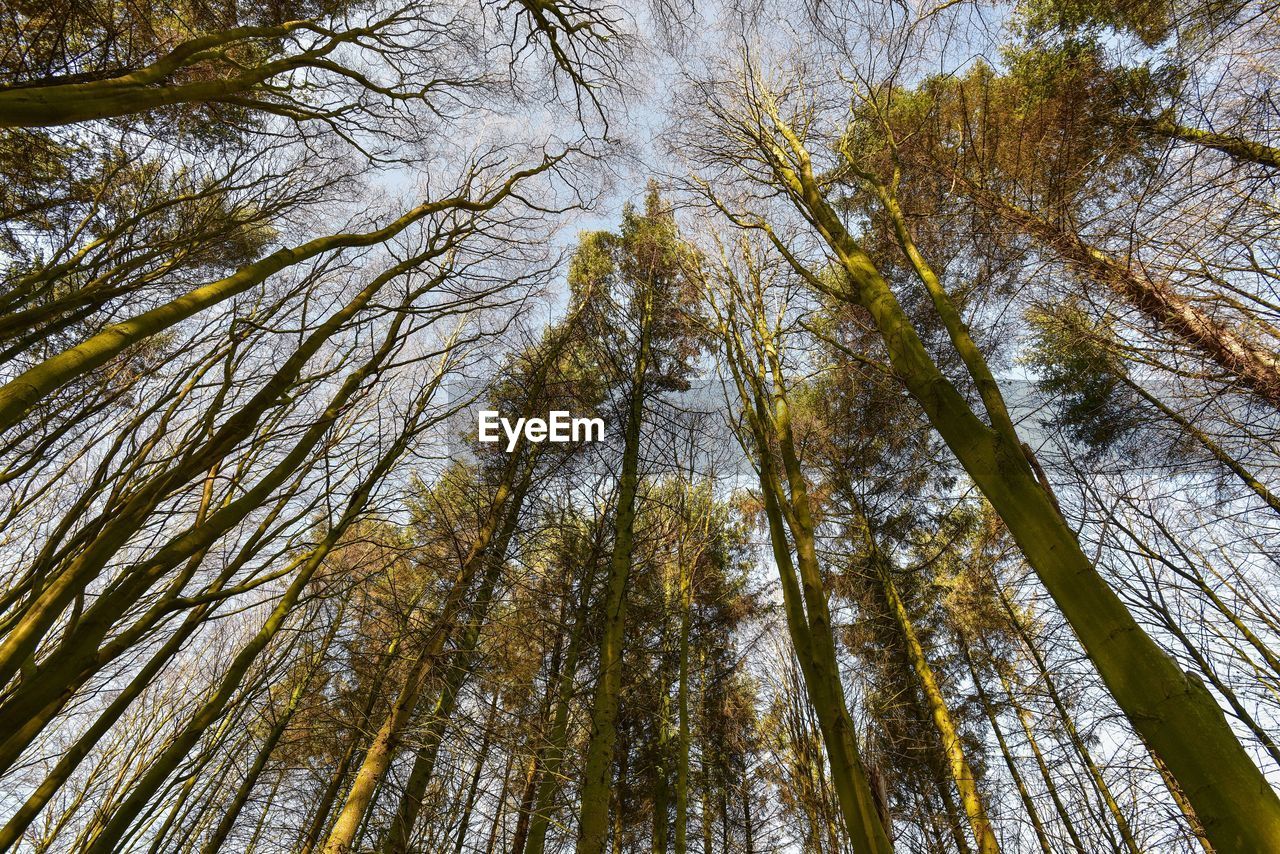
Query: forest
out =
(927, 355)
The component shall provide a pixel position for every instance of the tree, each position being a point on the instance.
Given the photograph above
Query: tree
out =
(638, 288)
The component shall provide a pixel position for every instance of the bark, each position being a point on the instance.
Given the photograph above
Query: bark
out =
(322, 813)
(386, 742)
(683, 737)
(557, 738)
(1095, 773)
(27, 389)
(138, 90)
(1024, 794)
(521, 835)
(615, 798)
(662, 792)
(465, 654)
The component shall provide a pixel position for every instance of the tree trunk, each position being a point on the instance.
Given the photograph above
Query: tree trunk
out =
(214, 843)
(1117, 815)
(557, 737)
(804, 596)
(1237, 147)
(320, 817)
(1023, 793)
(521, 835)
(1189, 813)
(1028, 730)
(682, 708)
(380, 753)
(1234, 351)
(598, 768)
(465, 656)
(961, 773)
(482, 756)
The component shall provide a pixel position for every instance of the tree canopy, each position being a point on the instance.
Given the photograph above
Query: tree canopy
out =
(937, 346)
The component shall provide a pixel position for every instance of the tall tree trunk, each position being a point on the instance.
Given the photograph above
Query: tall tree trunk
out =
(558, 735)
(530, 792)
(323, 811)
(378, 756)
(465, 657)
(220, 833)
(804, 596)
(598, 768)
(815, 649)
(1171, 709)
(1234, 351)
(708, 813)
(1024, 793)
(473, 789)
(961, 773)
(1046, 773)
(955, 825)
(662, 789)
(683, 738)
(1068, 723)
